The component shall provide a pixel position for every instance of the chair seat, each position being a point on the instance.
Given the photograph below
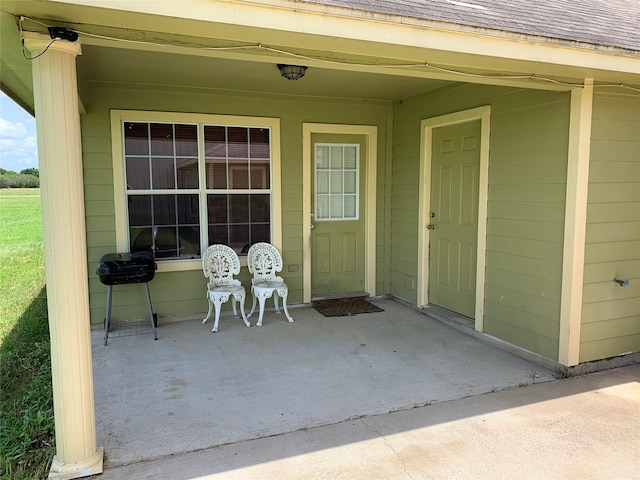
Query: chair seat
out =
(225, 288)
(269, 284)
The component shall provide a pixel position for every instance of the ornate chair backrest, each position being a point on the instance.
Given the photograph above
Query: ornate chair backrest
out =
(219, 264)
(264, 261)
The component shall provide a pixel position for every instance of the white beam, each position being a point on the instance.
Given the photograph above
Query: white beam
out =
(575, 224)
(65, 250)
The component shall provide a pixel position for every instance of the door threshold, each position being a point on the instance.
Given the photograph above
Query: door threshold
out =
(338, 295)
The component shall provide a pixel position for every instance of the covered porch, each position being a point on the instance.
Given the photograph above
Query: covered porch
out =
(193, 389)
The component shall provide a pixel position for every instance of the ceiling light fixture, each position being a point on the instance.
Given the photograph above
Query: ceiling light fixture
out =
(292, 72)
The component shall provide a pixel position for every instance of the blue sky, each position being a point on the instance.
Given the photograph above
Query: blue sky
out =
(18, 148)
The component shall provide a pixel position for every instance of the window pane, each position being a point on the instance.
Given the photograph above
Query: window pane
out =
(239, 174)
(238, 237)
(165, 242)
(336, 182)
(163, 173)
(141, 239)
(216, 171)
(350, 206)
(336, 157)
(336, 206)
(322, 182)
(138, 173)
(187, 172)
(217, 207)
(322, 207)
(164, 209)
(259, 143)
(351, 157)
(238, 142)
(189, 238)
(186, 140)
(322, 156)
(238, 208)
(350, 182)
(260, 208)
(260, 174)
(188, 209)
(215, 141)
(162, 139)
(136, 138)
(139, 210)
(260, 233)
(218, 234)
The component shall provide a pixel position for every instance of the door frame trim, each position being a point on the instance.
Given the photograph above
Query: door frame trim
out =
(426, 143)
(370, 132)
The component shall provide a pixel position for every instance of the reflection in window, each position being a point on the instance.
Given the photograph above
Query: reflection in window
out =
(166, 201)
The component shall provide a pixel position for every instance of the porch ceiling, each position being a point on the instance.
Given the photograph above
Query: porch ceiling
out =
(144, 69)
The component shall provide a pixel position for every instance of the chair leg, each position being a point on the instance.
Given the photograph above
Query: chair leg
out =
(276, 302)
(284, 293)
(253, 306)
(262, 301)
(217, 304)
(240, 300)
(284, 306)
(209, 312)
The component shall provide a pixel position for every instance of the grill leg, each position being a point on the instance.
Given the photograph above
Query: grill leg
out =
(153, 322)
(108, 317)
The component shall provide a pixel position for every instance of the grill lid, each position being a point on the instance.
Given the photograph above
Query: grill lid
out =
(122, 268)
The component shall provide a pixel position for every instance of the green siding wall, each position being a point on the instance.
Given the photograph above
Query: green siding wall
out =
(610, 313)
(527, 185)
(183, 293)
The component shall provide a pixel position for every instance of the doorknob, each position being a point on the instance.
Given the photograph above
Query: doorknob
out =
(431, 226)
(312, 226)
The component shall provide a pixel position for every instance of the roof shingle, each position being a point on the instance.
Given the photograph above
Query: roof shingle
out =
(608, 23)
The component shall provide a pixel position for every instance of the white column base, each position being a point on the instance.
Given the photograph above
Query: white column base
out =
(86, 468)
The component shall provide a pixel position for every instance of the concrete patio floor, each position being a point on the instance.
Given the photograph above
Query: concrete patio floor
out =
(193, 390)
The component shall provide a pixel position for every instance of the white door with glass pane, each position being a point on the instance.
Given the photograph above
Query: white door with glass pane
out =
(337, 237)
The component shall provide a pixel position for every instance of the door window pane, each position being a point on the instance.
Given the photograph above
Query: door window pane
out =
(336, 181)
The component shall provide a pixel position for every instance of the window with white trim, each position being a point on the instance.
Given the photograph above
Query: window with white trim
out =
(336, 181)
(190, 185)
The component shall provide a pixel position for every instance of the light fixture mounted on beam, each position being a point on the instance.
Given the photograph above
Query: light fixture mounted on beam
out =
(292, 72)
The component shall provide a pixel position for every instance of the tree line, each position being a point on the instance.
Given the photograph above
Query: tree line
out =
(27, 178)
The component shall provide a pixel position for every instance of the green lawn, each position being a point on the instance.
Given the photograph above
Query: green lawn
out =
(26, 406)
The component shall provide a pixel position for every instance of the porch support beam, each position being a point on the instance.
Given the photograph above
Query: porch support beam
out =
(575, 224)
(65, 252)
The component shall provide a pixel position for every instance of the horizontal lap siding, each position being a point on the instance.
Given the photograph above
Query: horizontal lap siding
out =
(525, 225)
(183, 293)
(610, 313)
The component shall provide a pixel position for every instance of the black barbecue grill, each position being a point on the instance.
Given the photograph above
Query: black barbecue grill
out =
(127, 268)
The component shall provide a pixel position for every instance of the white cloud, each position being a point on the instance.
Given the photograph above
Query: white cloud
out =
(18, 149)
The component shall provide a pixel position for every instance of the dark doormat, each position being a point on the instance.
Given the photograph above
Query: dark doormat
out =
(342, 307)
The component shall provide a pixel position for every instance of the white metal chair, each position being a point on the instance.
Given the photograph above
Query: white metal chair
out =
(264, 261)
(219, 264)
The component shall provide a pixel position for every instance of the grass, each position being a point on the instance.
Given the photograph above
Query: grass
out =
(26, 405)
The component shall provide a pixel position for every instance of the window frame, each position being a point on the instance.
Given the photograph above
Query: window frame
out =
(118, 117)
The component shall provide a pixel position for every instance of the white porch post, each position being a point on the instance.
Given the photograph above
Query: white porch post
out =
(575, 224)
(60, 159)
